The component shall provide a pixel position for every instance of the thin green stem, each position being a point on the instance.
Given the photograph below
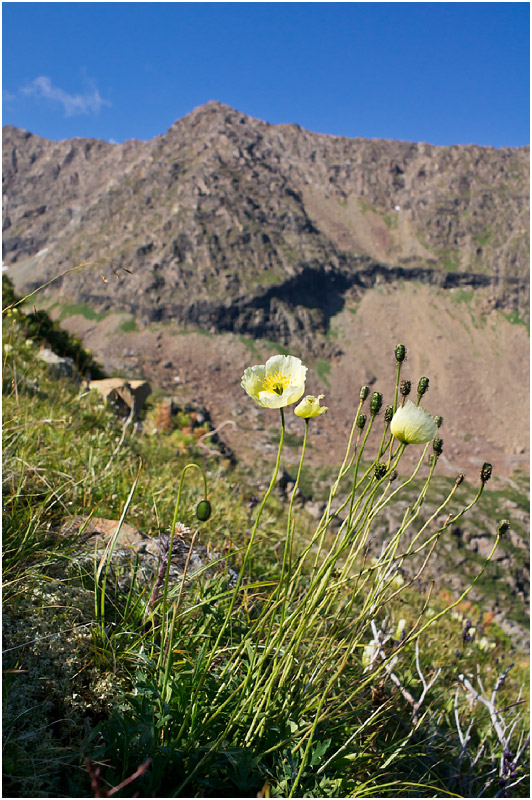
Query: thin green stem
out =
(214, 649)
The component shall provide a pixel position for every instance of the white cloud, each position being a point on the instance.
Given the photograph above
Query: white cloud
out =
(88, 103)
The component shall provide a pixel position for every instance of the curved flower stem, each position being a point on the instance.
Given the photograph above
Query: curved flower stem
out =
(356, 485)
(244, 562)
(326, 518)
(214, 649)
(464, 593)
(397, 380)
(287, 556)
(444, 527)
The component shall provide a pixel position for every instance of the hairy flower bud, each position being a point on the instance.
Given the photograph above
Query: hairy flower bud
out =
(400, 353)
(388, 413)
(437, 446)
(459, 478)
(422, 386)
(405, 387)
(376, 403)
(485, 472)
(364, 391)
(361, 421)
(203, 510)
(380, 471)
(393, 476)
(504, 527)
(438, 420)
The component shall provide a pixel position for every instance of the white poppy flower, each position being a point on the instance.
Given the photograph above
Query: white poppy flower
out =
(276, 384)
(411, 424)
(310, 407)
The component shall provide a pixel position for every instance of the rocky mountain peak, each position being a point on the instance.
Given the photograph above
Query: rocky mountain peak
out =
(262, 228)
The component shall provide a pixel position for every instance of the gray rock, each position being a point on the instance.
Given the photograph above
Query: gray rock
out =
(59, 366)
(133, 549)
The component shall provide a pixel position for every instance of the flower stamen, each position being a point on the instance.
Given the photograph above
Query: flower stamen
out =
(276, 383)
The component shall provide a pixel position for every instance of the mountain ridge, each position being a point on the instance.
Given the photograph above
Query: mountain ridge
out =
(227, 206)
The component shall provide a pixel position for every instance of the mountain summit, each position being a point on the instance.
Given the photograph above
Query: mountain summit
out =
(231, 223)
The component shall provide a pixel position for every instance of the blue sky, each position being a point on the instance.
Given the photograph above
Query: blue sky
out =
(444, 73)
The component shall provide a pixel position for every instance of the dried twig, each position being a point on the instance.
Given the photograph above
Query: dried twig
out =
(100, 790)
(504, 728)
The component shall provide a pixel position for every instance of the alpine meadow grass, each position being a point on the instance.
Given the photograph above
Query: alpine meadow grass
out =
(296, 661)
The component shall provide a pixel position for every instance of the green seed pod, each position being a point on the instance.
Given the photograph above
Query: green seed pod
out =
(203, 510)
(361, 421)
(364, 391)
(388, 414)
(459, 478)
(400, 353)
(504, 527)
(437, 446)
(405, 387)
(380, 471)
(485, 472)
(422, 386)
(376, 403)
(438, 420)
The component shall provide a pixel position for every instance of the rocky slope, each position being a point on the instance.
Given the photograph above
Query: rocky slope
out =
(232, 224)
(258, 234)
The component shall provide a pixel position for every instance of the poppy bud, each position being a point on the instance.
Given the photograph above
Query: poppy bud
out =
(485, 472)
(376, 403)
(388, 414)
(504, 527)
(405, 387)
(400, 353)
(438, 420)
(361, 421)
(437, 446)
(364, 391)
(422, 386)
(380, 471)
(203, 510)
(459, 478)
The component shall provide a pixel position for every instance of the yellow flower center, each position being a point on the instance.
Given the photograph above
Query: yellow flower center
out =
(276, 383)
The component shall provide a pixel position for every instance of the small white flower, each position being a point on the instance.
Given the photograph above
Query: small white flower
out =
(276, 384)
(310, 407)
(411, 424)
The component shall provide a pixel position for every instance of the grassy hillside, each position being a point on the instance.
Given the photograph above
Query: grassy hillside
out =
(298, 665)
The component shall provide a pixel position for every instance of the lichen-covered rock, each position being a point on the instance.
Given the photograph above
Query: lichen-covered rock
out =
(134, 549)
